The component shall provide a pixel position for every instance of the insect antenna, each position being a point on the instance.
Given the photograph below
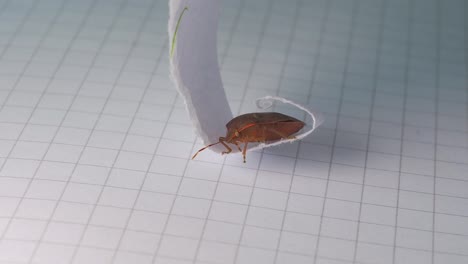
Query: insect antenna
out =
(202, 149)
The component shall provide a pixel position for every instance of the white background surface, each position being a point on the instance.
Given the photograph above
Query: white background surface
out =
(95, 144)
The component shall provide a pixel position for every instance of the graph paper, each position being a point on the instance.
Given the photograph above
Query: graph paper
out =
(95, 143)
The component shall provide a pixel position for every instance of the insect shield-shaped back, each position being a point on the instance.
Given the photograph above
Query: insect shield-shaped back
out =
(257, 127)
(262, 127)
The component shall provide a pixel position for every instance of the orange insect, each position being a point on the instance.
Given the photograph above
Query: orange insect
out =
(257, 127)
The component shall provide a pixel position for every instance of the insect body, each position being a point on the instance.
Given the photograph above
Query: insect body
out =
(257, 127)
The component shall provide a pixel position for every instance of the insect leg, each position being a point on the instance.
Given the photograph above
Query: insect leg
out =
(222, 141)
(245, 150)
(238, 147)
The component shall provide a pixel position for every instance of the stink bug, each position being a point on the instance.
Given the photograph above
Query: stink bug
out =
(257, 127)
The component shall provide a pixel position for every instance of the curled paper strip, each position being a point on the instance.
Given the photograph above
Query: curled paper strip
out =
(194, 68)
(267, 102)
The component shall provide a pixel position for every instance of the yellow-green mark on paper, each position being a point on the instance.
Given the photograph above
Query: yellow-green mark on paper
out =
(175, 32)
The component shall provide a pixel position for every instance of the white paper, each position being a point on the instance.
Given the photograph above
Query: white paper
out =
(195, 71)
(194, 66)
